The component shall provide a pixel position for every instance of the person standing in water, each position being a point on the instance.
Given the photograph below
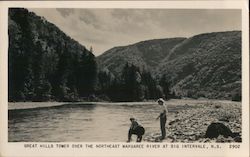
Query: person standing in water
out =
(163, 117)
(136, 129)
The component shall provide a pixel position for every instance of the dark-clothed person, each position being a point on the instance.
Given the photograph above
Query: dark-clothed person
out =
(135, 129)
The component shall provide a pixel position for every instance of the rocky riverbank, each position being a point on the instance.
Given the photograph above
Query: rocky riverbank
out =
(190, 124)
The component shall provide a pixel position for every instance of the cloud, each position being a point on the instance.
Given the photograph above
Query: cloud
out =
(105, 28)
(89, 18)
(65, 12)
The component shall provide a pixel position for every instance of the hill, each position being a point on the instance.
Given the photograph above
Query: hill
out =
(44, 63)
(206, 65)
(145, 54)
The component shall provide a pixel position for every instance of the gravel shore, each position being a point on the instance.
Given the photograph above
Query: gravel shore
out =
(190, 124)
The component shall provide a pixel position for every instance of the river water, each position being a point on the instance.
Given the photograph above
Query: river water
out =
(81, 122)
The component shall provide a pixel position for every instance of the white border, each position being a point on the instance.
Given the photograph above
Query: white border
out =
(17, 149)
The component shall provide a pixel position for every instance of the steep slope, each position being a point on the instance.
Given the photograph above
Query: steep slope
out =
(145, 54)
(44, 63)
(206, 65)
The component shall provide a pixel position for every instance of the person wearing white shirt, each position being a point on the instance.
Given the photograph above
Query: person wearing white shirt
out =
(163, 117)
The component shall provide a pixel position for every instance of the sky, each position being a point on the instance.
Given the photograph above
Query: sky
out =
(103, 29)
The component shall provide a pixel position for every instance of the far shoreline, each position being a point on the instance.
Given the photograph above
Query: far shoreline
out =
(32, 105)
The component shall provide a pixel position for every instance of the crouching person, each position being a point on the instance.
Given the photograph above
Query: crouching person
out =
(135, 129)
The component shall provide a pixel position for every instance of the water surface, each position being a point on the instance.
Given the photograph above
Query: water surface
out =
(81, 122)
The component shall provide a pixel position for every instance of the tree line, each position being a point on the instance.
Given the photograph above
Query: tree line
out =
(132, 84)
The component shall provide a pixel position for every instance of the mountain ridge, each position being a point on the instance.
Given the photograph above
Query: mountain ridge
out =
(160, 47)
(204, 65)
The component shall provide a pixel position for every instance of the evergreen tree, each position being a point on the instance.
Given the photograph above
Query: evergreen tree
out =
(131, 82)
(87, 74)
(42, 87)
(105, 79)
(165, 86)
(150, 84)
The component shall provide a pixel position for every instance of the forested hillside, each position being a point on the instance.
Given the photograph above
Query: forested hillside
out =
(44, 63)
(145, 54)
(206, 65)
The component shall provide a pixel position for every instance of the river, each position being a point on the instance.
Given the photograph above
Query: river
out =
(81, 122)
